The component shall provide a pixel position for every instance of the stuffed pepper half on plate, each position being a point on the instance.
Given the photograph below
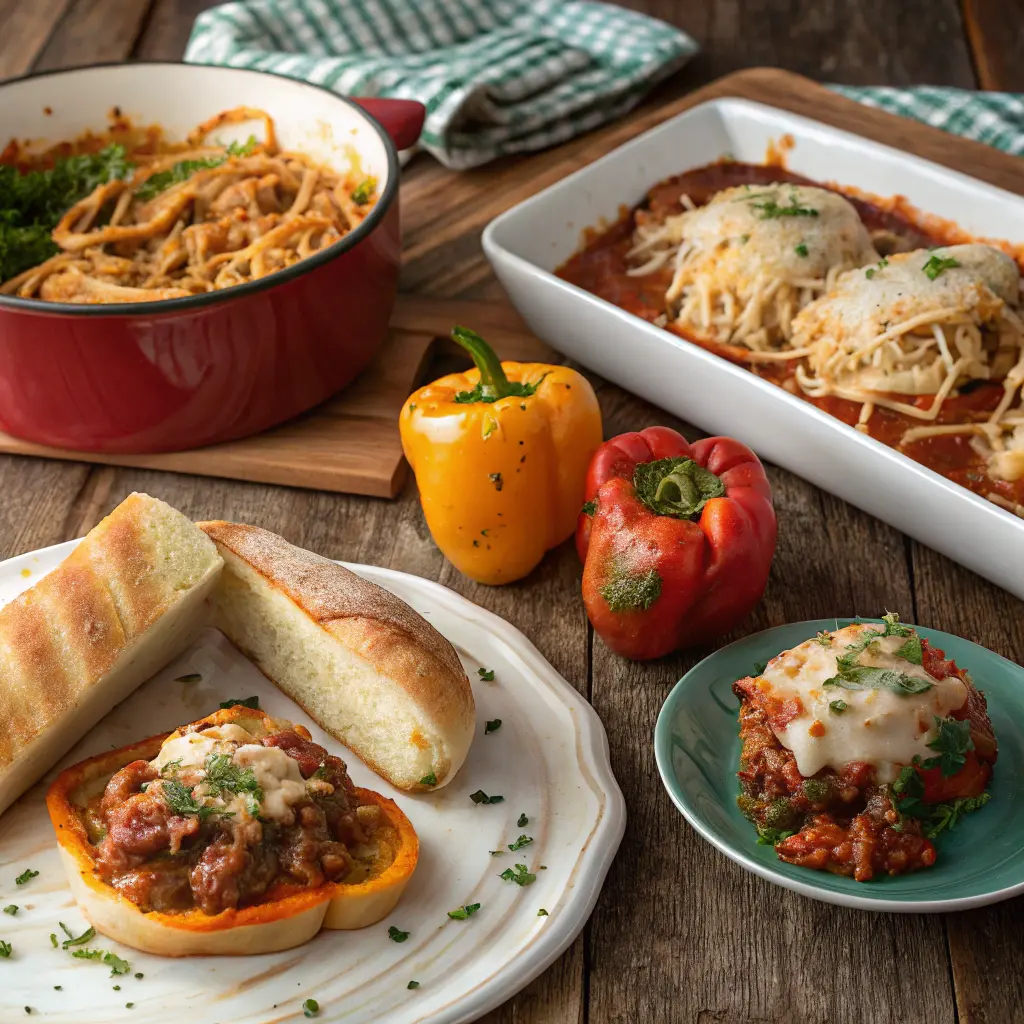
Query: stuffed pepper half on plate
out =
(235, 834)
(859, 747)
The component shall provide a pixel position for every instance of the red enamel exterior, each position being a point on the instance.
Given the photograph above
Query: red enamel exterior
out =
(168, 376)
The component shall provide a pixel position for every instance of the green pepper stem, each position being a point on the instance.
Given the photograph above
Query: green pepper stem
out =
(493, 382)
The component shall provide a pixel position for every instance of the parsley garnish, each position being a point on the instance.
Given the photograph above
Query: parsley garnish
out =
(908, 793)
(492, 726)
(937, 264)
(396, 935)
(223, 775)
(852, 676)
(363, 192)
(310, 1008)
(461, 913)
(11, 909)
(5, 949)
(181, 801)
(542, 912)
(480, 797)
(116, 964)
(952, 743)
(772, 836)
(245, 702)
(770, 209)
(801, 250)
(413, 984)
(523, 821)
(838, 706)
(87, 954)
(184, 169)
(429, 780)
(497, 853)
(824, 638)
(589, 508)
(76, 940)
(519, 875)
(53, 940)
(911, 651)
(520, 843)
(869, 273)
(25, 876)
(486, 674)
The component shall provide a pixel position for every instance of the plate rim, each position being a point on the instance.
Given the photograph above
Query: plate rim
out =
(662, 753)
(600, 847)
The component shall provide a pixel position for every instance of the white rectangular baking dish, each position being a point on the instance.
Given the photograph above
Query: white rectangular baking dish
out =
(529, 241)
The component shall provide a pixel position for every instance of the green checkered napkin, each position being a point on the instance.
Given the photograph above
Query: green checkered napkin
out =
(497, 76)
(995, 118)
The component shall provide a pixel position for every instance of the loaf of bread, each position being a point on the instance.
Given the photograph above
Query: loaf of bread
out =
(359, 661)
(125, 602)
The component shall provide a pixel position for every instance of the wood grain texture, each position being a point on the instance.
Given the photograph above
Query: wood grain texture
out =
(26, 28)
(166, 30)
(995, 31)
(93, 31)
(865, 43)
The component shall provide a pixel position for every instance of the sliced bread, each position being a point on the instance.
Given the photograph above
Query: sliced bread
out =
(358, 660)
(126, 601)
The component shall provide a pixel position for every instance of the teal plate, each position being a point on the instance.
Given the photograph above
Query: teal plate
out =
(697, 747)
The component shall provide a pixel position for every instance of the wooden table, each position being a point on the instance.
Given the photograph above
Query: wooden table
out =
(680, 934)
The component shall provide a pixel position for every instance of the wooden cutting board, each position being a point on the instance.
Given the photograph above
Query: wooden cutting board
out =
(349, 443)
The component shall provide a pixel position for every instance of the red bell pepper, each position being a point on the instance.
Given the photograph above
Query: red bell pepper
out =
(676, 540)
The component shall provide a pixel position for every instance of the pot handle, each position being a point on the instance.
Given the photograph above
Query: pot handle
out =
(401, 119)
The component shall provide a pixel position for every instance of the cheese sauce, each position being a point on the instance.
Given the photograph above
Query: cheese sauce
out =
(880, 727)
(277, 774)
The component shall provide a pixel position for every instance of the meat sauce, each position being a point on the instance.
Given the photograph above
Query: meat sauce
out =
(163, 861)
(600, 268)
(844, 822)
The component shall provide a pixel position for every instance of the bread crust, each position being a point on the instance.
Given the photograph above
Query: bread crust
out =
(90, 632)
(281, 923)
(373, 624)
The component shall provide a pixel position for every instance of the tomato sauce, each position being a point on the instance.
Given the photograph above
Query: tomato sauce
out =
(600, 267)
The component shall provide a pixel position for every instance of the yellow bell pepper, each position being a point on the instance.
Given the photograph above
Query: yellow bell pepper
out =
(500, 455)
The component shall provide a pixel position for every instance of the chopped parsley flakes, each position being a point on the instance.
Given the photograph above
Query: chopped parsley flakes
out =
(396, 935)
(486, 674)
(429, 780)
(12, 910)
(523, 821)
(480, 797)
(25, 876)
(5, 949)
(492, 726)
(937, 264)
(520, 843)
(520, 875)
(461, 913)
(245, 702)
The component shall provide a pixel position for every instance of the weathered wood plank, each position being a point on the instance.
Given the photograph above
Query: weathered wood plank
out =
(995, 31)
(980, 942)
(26, 27)
(40, 498)
(866, 43)
(94, 31)
(167, 28)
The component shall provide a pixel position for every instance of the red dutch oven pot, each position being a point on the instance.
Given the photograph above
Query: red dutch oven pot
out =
(177, 374)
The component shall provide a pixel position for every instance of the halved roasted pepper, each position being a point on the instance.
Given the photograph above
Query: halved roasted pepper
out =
(500, 455)
(676, 540)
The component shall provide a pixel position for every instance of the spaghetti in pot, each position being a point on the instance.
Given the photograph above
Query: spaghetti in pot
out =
(196, 217)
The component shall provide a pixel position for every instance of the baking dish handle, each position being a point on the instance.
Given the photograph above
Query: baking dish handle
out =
(401, 119)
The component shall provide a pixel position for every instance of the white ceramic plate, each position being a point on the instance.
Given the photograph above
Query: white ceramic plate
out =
(549, 760)
(529, 241)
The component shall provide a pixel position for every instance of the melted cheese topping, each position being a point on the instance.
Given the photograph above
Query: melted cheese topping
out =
(743, 269)
(891, 329)
(879, 726)
(276, 773)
